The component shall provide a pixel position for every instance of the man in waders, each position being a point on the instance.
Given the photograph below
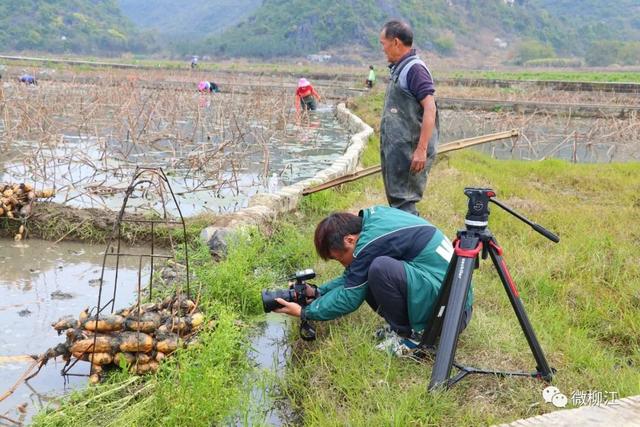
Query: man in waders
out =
(409, 126)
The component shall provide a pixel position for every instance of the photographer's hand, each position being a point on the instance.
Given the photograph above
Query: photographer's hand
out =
(290, 308)
(311, 293)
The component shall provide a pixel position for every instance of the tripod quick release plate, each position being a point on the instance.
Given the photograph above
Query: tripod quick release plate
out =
(478, 212)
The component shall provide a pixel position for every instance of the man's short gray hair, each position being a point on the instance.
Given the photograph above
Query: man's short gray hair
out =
(400, 30)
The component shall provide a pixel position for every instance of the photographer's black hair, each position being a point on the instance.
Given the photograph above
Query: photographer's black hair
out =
(400, 30)
(330, 232)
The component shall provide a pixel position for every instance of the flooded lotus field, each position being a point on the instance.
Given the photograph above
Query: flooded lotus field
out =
(532, 93)
(85, 141)
(544, 136)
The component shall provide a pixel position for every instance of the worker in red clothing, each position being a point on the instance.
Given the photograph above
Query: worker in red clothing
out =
(306, 96)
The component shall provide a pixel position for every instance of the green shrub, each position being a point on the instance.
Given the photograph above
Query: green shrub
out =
(603, 52)
(444, 44)
(533, 49)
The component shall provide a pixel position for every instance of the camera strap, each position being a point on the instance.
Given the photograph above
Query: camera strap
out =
(307, 331)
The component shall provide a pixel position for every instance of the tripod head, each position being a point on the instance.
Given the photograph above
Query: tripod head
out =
(477, 217)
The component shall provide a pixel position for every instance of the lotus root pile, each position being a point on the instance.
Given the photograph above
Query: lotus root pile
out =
(136, 337)
(16, 201)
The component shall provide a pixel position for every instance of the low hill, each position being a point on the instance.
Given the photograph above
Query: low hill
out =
(298, 27)
(78, 26)
(187, 18)
(596, 19)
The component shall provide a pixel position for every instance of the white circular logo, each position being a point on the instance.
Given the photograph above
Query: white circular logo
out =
(559, 400)
(549, 392)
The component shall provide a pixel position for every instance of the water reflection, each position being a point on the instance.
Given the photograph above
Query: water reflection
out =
(269, 352)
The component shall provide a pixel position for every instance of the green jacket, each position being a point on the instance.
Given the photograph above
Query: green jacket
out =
(386, 231)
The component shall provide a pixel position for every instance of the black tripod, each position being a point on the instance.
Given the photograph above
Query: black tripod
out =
(446, 319)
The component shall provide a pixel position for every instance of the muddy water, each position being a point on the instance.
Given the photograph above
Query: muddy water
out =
(39, 283)
(269, 352)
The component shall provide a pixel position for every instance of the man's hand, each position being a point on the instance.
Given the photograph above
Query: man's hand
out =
(419, 158)
(290, 308)
(310, 293)
(418, 161)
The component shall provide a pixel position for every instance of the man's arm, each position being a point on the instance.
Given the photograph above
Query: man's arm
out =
(419, 159)
(331, 284)
(336, 303)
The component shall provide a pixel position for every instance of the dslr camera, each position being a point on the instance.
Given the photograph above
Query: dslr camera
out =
(297, 293)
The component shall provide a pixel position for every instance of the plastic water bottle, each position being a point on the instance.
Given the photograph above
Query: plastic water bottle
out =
(272, 184)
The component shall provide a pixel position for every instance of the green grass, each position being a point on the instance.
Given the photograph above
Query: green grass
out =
(235, 65)
(578, 76)
(582, 297)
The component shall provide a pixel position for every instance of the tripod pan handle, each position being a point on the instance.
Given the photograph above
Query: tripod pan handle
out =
(546, 233)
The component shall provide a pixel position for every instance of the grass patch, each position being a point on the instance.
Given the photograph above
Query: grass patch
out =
(57, 222)
(582, 297)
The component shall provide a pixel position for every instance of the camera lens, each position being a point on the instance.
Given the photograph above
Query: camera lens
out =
(269, 302)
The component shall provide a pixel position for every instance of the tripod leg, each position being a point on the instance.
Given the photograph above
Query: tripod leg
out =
(466, 251)
(509, 286)
(430, 336)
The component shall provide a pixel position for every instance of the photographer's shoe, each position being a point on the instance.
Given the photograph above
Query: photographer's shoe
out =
(396, 345)
(383, 332)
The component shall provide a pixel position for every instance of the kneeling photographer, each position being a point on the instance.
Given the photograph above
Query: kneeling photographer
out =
(394, 260)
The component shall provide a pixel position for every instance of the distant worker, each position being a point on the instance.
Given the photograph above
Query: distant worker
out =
(306, 96)
(208, 86)
(28, 79)
(372, 77)
(194, 62)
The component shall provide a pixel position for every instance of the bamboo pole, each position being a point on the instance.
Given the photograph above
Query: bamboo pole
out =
(451, 146)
